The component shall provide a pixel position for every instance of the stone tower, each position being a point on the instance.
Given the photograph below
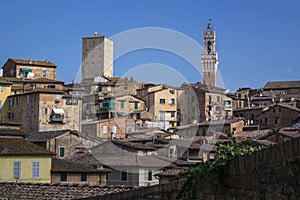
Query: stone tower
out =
(97, 57)
(209, 58)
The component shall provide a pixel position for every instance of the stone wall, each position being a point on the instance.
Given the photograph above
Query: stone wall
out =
(273, 173)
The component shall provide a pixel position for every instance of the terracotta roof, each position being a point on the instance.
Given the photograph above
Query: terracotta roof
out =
(55, 191)
(130, 160)
(171, 172)
(44, 63)
(282, 85)
(11, 132)
(45, 136)
(281, 105)
(19, 146)
(41, 90)
(3, 80)
(42, 80)
(66, 165)
(290, 132)
(132, 145)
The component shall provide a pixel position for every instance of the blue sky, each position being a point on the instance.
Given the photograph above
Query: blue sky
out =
(257, 41)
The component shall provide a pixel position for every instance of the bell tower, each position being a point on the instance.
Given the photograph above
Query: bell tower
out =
(209, 58)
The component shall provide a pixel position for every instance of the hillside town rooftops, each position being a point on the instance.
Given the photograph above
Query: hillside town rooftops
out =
(44, 63)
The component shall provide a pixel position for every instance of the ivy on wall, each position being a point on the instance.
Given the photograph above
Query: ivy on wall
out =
(212, 171)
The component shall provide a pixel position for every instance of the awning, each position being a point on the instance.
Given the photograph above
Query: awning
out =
(26, 70)
(58, 111)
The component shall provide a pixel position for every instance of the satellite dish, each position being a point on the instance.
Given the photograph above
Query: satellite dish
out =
(96, 33)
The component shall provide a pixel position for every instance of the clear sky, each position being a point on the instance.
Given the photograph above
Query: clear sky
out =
(257, 40)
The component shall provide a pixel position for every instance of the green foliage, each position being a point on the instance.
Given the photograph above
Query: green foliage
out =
(212, 171)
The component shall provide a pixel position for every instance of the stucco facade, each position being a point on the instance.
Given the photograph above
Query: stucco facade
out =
(7, 169)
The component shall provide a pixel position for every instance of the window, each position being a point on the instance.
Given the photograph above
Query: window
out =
(57, 98)
(136, 105)
(44, 128)
(51, 86)
(3, 87)
(63, 176)
(172, 102)
(75, 101)
(55, 128)
(27, 98)
(67, 113)
(279, 109)
(162, 101)
(104, 129)
(44, 111)
(36, 170)
(273, 110)
(125, 87)
(10, 115)
(266, 120)
(61, 151)
(172, 91)
(0, 105)
(276, 120)
(122, 104)
(17, 170)
(123, 175)
(149, 175)
(114, 129)
(69, 101)
(173, 114)
(83, 176)
(44, 73)
(204, 132)
(162, 116)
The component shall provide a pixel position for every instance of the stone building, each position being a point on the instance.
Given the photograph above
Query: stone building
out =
(208, 102)
(278, 115)
(162, 103)
(5, 91)
(80, 169)
(97, 57)
(44, 109)
(22, 68)
(110, 128)
(64, 143)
